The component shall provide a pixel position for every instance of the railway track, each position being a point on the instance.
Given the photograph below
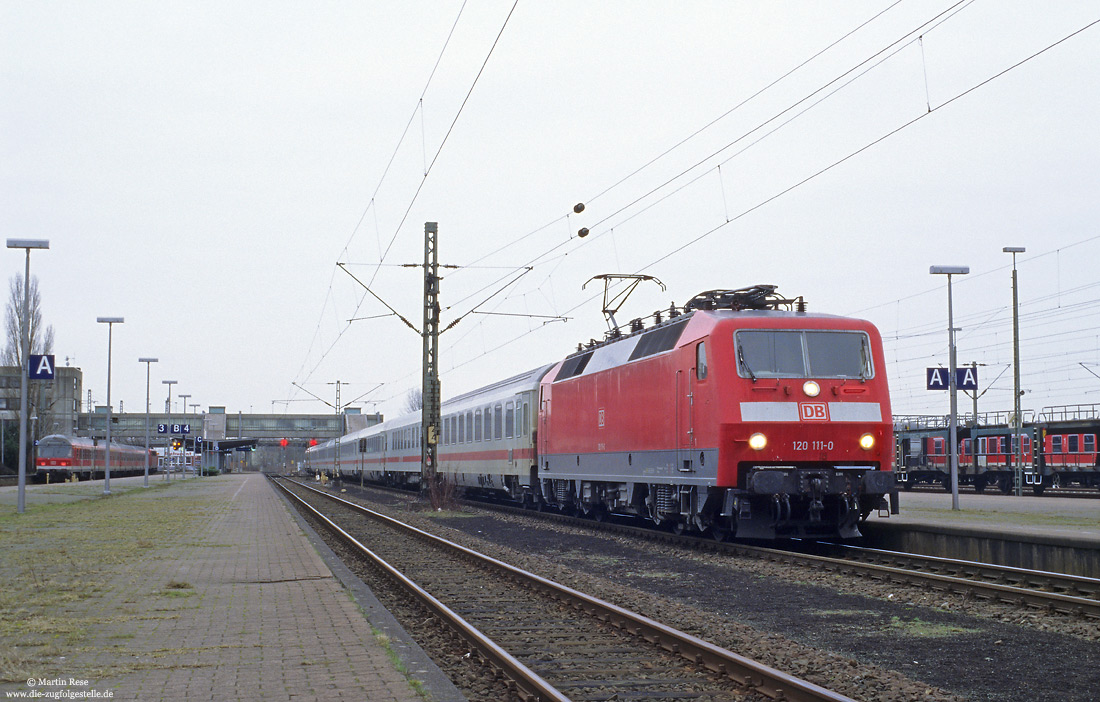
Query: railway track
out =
(1056, 592)
(552, 642)
(1068, 594)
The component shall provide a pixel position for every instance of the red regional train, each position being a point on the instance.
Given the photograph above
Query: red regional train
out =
(741, 415)
(1067, 454)
(60, 457)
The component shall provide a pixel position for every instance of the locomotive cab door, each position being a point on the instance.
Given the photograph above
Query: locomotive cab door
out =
(685, 421)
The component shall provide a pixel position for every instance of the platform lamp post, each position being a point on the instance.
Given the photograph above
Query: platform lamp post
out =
(24, 345)
(147, 362)
(183, 437)
(110, 322)
(168, 446)
(953, 428)
(1018, 423)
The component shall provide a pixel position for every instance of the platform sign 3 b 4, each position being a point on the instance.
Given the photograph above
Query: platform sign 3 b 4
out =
(173, 428)
(966, 378)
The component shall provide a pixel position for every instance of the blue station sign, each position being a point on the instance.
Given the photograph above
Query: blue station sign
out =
(966, 378)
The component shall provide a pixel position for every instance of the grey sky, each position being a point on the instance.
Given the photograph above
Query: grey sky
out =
(200, 168)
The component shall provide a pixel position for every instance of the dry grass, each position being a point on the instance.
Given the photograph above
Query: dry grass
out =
(61, 558)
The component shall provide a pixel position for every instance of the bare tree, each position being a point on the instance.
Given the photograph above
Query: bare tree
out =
(41, 339)
(39, 393)
(414, 401)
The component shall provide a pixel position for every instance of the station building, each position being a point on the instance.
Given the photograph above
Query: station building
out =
(246, 441)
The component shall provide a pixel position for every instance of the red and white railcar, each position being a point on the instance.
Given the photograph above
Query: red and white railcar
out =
(60, 457)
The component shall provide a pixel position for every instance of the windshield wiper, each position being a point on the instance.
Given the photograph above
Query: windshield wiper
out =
(741, 358)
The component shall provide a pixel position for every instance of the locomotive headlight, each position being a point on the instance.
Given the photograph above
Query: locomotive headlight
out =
(758, 441)
(867, 442)
(811, 388)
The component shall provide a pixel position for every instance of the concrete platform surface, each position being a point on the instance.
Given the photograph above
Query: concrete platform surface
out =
(1055, 517)
(204, 589)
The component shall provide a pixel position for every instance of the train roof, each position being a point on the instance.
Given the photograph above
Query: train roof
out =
(528, 380)
(84, 442)
(670, 334)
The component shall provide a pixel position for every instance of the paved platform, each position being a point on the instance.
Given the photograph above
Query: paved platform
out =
(204, 589)
(1066, 518)
(1059, 534)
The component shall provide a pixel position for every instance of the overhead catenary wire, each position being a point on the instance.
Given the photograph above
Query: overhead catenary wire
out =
(554, 255)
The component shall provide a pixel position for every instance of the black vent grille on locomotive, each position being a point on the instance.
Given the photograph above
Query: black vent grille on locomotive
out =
(658, 340)
(574, 366)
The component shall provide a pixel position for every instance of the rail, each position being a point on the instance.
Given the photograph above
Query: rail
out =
(763, 679)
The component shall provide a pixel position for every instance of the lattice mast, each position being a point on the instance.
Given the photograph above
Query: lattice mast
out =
(430, 411)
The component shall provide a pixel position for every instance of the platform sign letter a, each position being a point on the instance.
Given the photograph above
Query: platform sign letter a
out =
(966, 378)
(40, 367)
(938, 379)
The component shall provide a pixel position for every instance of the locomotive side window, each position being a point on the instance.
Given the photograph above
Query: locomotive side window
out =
(1074, 442)
(803, 354)
(701, 361)
(1090, 443)
(1056, 444)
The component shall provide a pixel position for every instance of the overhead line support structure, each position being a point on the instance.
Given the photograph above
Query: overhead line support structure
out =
(429, 416)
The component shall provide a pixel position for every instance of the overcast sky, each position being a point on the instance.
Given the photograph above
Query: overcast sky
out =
(201, 168)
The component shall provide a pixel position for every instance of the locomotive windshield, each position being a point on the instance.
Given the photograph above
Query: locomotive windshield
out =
(770, 353)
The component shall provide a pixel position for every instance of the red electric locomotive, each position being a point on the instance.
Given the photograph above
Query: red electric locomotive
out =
(744, 415)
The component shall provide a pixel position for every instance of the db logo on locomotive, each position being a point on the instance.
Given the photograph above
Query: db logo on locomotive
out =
(813, 411)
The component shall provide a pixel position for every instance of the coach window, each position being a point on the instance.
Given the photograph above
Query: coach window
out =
(461, 429)
(469, 427)
(1090, 443)
(498, 422)
(701, 361)
(509, 419)
(477, 425)
(488, 423)
(1074, 444)
(1056, 444)
(526, 418)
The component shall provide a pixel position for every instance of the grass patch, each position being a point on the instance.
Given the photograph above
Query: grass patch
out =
(928, 630)
(398, 664)
(844, 613)
(59, 557)
(445, 513)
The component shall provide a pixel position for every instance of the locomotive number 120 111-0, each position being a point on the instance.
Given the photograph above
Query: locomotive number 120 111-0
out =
(813, 445)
